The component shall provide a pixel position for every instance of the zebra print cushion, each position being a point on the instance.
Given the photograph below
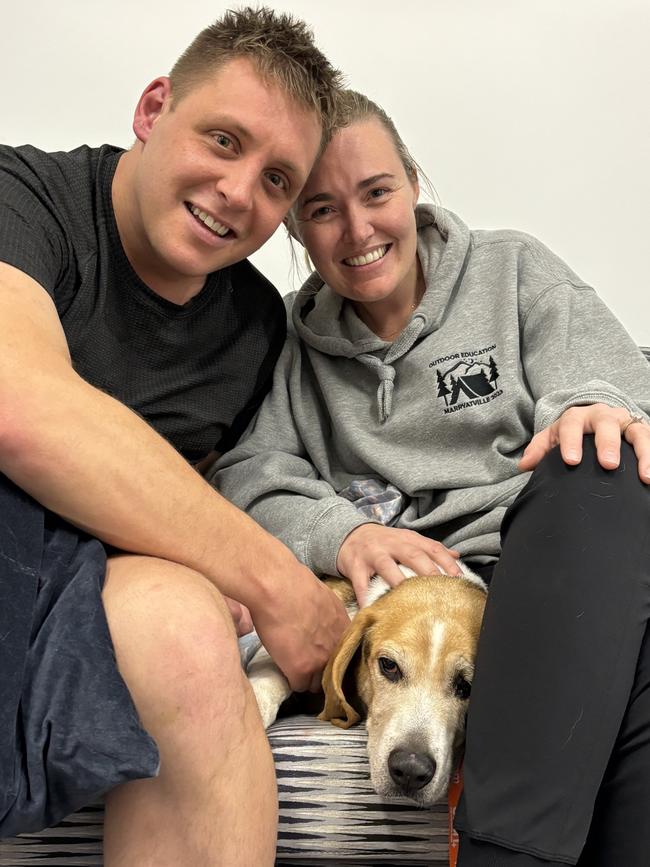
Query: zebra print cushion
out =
(328, 810)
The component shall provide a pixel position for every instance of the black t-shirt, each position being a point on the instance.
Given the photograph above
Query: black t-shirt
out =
(196, 372)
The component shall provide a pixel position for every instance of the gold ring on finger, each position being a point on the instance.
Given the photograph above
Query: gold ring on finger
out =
(635, 418)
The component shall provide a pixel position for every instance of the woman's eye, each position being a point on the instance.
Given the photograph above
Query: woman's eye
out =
(390, 669)
(378, 192)
(462, 687)
(321, 213)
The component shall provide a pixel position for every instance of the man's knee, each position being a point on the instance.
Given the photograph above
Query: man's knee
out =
(174, 641)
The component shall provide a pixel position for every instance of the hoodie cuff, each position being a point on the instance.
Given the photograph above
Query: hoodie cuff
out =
(588, 398)
(327, 535)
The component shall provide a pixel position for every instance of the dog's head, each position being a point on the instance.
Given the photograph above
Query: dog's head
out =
(407, 661)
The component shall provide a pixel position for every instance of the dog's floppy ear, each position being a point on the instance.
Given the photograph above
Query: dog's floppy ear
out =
(338, 709)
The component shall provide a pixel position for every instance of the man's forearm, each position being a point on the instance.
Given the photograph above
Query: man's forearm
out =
(90, 459)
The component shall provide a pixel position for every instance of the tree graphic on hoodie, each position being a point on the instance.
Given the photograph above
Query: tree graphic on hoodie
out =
(443, 391)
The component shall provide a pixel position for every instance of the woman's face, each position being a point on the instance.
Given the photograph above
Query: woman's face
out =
(356, 217)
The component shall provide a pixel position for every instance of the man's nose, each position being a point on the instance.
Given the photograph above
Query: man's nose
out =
(237, 188)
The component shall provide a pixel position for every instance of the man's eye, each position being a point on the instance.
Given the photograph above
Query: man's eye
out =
(224, 141)
(390, 669)
(277, 180)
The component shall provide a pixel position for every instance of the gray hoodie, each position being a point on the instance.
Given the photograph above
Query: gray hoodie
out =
(506, 338)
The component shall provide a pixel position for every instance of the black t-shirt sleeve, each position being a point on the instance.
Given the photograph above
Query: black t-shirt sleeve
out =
(31, 238)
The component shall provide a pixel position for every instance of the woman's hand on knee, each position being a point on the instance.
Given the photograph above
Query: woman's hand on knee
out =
(373, 549)
(608, 425)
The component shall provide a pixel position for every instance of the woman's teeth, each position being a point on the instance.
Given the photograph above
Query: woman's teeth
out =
(215, 227)
(379, 253)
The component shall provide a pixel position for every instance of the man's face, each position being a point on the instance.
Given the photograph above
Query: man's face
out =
(216, 173)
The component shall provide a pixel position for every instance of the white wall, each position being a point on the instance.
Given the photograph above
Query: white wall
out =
(531, 114)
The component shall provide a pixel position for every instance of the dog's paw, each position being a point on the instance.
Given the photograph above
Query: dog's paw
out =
(269, 685)
(268, 711)
(268, 702)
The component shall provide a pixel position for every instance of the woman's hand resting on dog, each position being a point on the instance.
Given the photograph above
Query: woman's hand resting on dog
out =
(608, 424)
(373, 549)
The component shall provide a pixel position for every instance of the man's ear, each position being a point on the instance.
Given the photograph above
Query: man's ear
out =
(151, 105)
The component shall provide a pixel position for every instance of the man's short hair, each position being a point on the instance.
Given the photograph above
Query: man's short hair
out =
(281, 47)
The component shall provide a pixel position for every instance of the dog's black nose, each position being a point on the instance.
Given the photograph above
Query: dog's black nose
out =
(411, 771)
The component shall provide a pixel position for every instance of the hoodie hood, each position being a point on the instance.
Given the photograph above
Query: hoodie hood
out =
(327, 322)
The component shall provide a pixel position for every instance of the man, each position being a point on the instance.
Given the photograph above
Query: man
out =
(132, 345)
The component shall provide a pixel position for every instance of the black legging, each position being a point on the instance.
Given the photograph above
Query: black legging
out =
(559, 724)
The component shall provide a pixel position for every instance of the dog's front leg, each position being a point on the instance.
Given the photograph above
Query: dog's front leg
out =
(269, 685)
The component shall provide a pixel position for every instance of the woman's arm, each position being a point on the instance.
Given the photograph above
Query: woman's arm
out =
(270, 475)
(587, 376)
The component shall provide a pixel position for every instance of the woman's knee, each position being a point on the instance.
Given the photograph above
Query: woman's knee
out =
(554, 474)
(580, 531)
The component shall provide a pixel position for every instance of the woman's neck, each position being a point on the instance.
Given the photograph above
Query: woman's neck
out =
(388, 317)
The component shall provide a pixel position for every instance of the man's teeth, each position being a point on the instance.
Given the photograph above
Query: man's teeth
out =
(379, 253)
(217, 228)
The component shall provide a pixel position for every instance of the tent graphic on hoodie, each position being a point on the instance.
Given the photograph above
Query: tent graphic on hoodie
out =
(472, 381)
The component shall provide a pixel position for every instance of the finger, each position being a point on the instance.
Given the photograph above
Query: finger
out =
(360, 587)
(638, 435)
(245, 624)
(570, 433)
(298, 682)
(607, 434)
(359, 577)
(540, 445)
(387, 568)
(433, 548)
(235, 609)
(316, 681)
(445, 559)
(438, 561)
(448, 565)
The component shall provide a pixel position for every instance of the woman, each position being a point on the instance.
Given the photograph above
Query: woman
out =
(430, 369)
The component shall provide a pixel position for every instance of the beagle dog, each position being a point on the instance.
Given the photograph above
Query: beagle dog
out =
(405, 665)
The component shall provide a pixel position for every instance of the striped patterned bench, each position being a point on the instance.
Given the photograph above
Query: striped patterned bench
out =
(328, 811)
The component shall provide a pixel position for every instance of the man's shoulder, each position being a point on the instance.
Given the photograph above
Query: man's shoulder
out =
(27, 159)
(63, 184)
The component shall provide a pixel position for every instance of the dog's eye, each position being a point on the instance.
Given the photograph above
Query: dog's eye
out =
(389, 669)
(462, 687)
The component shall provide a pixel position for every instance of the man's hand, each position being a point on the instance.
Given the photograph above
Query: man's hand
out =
(300, 624)
(241, 616)
(374, 549)
(608, 424)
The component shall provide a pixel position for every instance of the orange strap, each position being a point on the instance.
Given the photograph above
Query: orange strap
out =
(453, 797)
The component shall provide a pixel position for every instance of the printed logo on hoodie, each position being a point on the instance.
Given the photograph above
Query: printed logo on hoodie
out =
(467, 378)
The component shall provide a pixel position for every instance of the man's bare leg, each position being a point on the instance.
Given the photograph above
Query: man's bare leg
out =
(215, 801)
